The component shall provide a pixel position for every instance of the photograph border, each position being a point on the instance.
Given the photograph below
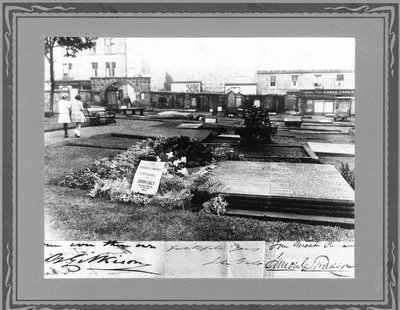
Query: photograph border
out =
(13, 10)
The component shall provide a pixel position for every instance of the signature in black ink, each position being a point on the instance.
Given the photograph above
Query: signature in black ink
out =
(277, 245)
(199, 248)
(306, 245)
(52, 245)
(53, 272)
(238, 247)
(321, 263)
(148, 246)
(73, 263)
(79, 245)
(118, 244)
(245, 261)
(218, 261)
(128, 269)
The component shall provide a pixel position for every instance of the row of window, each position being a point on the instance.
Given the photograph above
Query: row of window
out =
(317, 80)
(108, 46)
(110, 68)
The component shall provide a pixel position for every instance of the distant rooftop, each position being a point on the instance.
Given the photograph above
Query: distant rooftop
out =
(304, 71)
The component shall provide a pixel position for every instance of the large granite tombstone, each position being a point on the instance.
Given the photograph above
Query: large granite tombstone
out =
(311, 181)
(307, 192)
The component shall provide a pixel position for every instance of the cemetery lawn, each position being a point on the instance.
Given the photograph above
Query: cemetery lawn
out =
(70, 214)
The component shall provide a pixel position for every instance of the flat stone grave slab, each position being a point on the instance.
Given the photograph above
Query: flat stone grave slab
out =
(332, 148)
(293, 121)
(229, 136)
(152, 132)
(172, 114)
(189, 126)
(325, 121)
(287, 180)
(321, 128)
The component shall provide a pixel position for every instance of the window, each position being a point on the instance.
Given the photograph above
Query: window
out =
(110, 68)
(339, 79)
(272, 81)
(93, 49)
(295, 79)
(94, 69)
(67, 67)
(317, 80)
(107, 45)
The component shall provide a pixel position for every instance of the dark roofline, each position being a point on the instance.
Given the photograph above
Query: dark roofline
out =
(185, 93)
(227, 84)
(185, 82)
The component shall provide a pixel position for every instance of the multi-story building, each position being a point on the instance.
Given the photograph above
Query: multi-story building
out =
(109, 71)
(280, 82)
(311, 91)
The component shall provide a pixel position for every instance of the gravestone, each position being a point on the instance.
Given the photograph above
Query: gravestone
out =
(210, 120)
(325, 121)
(147, 177)
(189, 126)
(229, 136)
(332, 148)
(293, 121)
(314, 181)
(311, 193)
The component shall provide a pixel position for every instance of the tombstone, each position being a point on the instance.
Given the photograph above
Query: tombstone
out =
(289, 188)
(332, 148)
(210, 120)
(189, 126)
(293, 121)
(229, 136)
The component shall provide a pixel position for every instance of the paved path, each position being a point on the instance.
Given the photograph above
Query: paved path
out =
(57, 137)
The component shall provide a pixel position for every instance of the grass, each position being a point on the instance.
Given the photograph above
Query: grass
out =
(71, 214)
(83, 218)
(61, 160)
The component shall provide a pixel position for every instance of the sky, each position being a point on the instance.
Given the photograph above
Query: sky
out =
(246, 54)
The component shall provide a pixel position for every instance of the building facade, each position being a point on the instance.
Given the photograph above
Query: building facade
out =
(310, 91)
(106, 64)
(280, 82)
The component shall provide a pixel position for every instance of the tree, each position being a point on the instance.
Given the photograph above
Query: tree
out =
(167, 82)
(71, 45)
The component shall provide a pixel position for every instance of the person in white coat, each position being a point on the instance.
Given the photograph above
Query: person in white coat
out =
(64, 109)
(77, 114)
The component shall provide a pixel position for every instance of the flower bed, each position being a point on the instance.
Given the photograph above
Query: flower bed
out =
(187, 179)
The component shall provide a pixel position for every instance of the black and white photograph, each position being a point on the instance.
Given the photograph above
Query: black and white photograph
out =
(196, 154)
(233, 156)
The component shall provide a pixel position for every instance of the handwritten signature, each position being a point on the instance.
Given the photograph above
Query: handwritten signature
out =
(321, 263)
(64, 264)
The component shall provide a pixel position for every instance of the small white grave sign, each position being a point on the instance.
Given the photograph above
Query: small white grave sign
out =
(210, 120)
(147, 177)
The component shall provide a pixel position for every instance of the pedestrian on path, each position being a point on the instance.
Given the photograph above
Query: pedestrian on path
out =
(77, 114)
(64, 110)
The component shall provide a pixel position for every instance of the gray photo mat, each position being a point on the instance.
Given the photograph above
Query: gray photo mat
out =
(371, 285)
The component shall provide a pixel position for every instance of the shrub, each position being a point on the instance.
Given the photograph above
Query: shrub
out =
(226, 152)
(257, 126)
(173, 199)
(347, 174)
(216, 205)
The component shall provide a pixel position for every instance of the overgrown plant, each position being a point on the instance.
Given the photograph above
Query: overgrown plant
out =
(257, 126)
(216, 205)
(347, 174)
